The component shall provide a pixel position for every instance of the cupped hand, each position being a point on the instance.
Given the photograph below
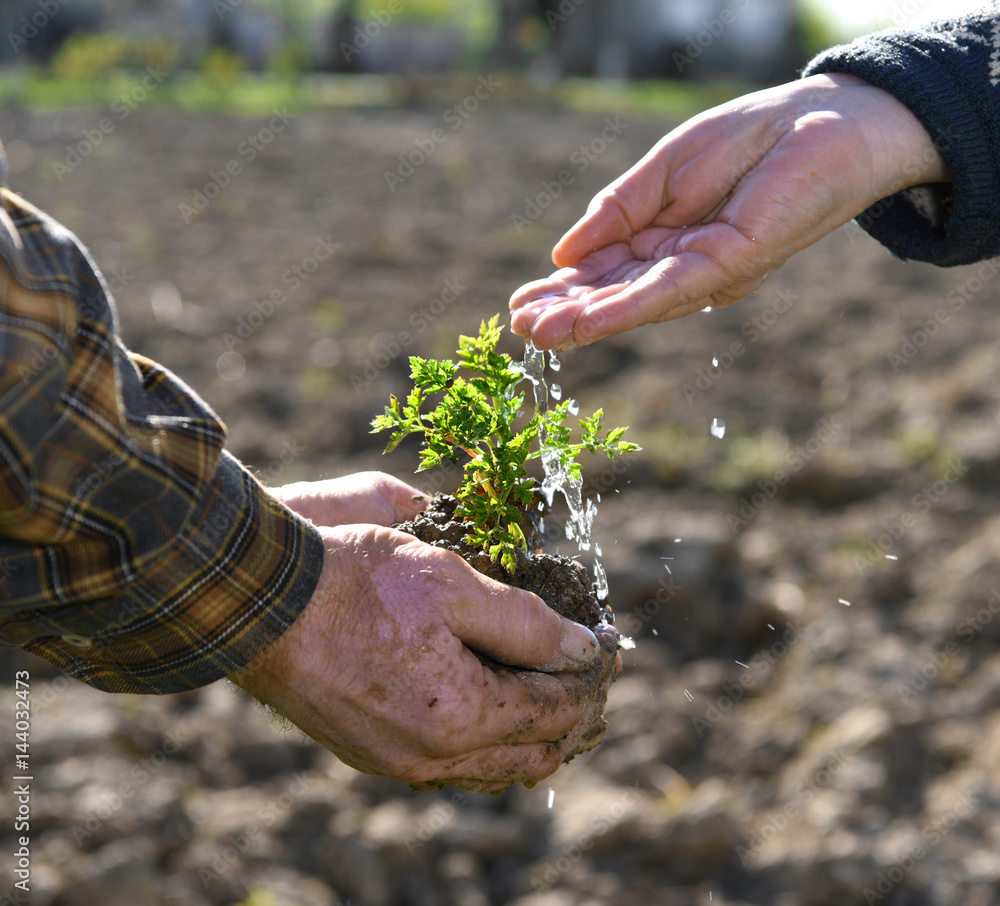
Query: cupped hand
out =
(721, 203)
(380, 669)
(369, 497)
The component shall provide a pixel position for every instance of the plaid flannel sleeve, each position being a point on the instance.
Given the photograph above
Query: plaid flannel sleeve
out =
(135, 553)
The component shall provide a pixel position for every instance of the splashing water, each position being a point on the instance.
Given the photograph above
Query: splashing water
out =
(581, 513)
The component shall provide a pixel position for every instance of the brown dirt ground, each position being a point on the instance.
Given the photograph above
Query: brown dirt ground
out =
(767, 745)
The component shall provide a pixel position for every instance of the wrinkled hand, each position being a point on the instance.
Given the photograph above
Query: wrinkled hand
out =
(369, 497)
(378, 668)
(721, 203)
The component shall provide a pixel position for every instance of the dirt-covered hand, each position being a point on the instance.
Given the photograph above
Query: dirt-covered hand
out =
(721, 203)
(380, 668)
(370, 497)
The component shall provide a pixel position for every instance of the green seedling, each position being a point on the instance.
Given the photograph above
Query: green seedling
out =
(475, 420)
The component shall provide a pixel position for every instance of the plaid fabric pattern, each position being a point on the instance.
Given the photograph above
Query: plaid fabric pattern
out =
(135, 553)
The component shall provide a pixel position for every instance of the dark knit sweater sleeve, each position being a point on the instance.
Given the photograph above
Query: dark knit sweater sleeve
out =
(948, 74)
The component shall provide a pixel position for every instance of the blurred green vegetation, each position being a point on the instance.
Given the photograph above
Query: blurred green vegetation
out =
(221, 84)
(90, 57)
(819, 27)
(94, 69)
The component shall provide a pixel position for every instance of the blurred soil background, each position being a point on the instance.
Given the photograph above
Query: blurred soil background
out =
(809, 717)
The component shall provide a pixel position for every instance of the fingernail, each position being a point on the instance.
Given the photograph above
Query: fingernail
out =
(578, 643)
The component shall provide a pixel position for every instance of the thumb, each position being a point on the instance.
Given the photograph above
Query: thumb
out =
(517, 628)
(596, 229)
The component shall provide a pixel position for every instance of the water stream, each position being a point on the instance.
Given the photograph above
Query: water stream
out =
(581, 512)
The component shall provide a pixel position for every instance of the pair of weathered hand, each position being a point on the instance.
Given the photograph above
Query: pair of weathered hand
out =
(379, 667)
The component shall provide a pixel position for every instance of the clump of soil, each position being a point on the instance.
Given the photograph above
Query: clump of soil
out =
(560, 582)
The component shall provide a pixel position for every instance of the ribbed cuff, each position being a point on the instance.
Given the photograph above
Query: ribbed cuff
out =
(942, 76)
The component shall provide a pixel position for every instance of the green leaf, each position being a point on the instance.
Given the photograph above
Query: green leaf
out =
(477, 420)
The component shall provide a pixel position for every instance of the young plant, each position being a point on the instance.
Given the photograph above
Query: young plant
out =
(474, 420)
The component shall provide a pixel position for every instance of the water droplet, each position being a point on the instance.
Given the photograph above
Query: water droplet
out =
(625, 643)
(718, 427)
(598, 551)
(845, 602)
(552, 797)
(554, 362)
(708, 308)
(600, 582)
(715, 361)
(556, 392)
(574, 407)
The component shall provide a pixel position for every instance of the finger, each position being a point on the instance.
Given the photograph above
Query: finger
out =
(522, 708)
(373, 498)
(516, 627)
(403, 501)
(580, 277)
(579, 698)
(713, 265)
(566, 293)
(619, 211)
